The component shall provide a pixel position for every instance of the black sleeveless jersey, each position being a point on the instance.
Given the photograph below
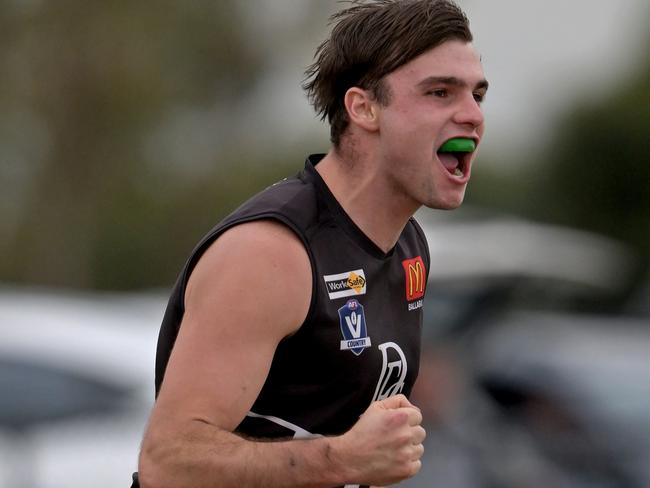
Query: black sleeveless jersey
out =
(360, 341)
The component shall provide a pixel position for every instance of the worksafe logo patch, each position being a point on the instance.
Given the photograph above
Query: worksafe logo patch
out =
(348, 284)
(415, 274)
(353, 327)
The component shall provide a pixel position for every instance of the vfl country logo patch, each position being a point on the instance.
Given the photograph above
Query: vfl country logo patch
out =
(415, 278)
(353, 327)
(348, 284)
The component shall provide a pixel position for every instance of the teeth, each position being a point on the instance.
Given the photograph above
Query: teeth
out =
(458, 172)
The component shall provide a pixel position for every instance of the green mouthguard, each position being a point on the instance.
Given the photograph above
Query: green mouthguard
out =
(458, 144)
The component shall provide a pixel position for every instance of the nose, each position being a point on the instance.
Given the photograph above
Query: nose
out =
(469, 113)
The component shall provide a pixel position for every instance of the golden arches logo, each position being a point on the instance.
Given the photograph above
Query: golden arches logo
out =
(415, 278)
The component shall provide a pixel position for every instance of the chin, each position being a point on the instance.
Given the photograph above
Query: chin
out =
(445, 204)
(443, 207)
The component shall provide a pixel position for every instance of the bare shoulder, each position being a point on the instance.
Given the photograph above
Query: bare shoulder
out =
(264, 263)
(249, 290)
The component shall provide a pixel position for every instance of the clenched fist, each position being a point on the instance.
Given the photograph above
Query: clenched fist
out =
(385, 445)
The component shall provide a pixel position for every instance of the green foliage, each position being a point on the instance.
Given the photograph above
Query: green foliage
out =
(599, 167)
(593, 175)
(142, 240)
(95, 81)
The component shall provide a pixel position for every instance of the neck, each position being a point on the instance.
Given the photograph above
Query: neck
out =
(373, 204)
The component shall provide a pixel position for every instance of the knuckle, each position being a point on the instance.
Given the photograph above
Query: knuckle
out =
(404, 438)
(418, 451)
(414, 467)
(397, 417)
(401, 471)
(408, 469)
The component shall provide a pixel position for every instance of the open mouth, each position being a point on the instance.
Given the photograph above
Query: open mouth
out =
(455, 155)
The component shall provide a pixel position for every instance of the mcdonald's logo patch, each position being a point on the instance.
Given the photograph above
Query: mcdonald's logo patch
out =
(415, 278)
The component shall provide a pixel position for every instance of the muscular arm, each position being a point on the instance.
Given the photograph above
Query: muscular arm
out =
(249, 290)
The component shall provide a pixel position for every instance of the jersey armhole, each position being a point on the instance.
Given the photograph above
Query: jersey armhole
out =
(213, 236)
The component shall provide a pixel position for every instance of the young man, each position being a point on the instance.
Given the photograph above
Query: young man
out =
(292, 336)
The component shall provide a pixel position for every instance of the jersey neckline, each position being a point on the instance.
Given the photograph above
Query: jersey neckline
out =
(339, 213)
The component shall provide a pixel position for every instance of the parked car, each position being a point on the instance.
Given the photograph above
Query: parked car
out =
(76, 372)
(483, 263)
(579, 386)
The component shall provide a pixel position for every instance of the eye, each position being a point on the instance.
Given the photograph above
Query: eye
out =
(479, 97)
(439, 93)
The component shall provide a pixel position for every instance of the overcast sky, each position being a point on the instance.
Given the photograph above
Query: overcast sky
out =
(538, 56)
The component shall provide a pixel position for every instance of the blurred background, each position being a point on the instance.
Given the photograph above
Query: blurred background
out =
(128, 129)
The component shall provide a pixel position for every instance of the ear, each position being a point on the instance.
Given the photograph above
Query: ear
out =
(362, 108)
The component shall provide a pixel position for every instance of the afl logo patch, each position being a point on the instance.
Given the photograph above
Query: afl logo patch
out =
(415, 278)
(353, 327)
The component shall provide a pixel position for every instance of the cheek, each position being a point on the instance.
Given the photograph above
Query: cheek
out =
(409, 128)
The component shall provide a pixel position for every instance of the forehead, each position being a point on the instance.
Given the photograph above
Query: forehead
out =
(451, 59)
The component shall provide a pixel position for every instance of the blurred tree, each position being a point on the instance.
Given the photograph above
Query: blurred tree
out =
(88, 89)
(599, 167)
(595, 173)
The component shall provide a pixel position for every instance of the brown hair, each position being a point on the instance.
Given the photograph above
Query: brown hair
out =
(369, 41)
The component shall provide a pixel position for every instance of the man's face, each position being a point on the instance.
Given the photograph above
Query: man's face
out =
(433, 98)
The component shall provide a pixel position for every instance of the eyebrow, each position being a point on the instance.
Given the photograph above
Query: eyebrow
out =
(452, 80)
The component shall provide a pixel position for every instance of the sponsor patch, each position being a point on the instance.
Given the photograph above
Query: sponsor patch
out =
(353, 327)
(415, 278)
(348, 284)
